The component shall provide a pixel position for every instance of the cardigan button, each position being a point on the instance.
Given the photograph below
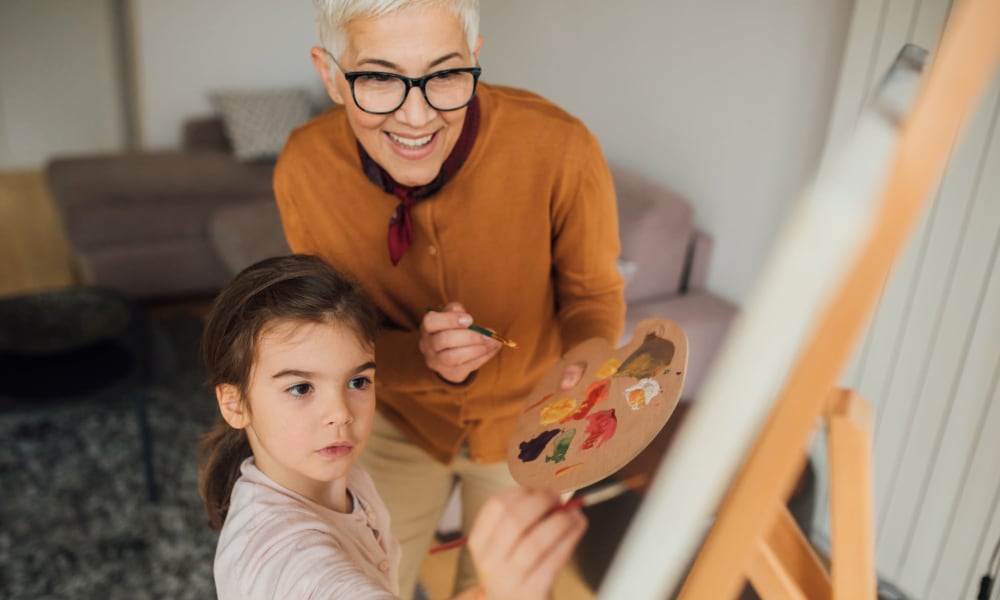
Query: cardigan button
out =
(383, 566)
(433, 250)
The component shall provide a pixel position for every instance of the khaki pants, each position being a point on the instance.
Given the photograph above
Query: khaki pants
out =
(416, 488)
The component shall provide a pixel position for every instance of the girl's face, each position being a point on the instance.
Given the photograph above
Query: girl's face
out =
(312, 399)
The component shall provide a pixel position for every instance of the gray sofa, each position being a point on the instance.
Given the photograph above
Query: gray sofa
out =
(140, 222)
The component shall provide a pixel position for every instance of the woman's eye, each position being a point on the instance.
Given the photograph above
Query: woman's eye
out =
(369, 78)
(359, 383)
(300, 389)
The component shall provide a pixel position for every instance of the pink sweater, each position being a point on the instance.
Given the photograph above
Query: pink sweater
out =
(276, 543)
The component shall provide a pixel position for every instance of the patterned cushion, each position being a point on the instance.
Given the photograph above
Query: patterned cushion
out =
(258, 122)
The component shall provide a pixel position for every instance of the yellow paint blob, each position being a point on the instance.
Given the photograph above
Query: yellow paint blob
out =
(554, 411)
(609, 368)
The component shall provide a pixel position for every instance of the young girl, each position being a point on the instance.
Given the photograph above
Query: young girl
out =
(289, 345)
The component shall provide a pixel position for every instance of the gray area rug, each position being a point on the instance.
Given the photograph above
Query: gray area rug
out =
(75, 521)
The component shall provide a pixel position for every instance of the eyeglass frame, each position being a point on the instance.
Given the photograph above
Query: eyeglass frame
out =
(410, 83)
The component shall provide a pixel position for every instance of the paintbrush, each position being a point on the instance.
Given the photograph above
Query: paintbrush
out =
(490, 333)
(589, 498)
(496, 336)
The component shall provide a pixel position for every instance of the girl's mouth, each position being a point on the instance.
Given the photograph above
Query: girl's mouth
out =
(336, 450)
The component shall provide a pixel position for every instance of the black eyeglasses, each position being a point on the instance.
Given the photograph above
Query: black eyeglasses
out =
(381, 93)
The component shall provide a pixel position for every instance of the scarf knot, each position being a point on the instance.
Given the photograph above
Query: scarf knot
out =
(400, 225)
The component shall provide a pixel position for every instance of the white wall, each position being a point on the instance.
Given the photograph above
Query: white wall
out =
(188, 48)
(58, 83)
(726, 102)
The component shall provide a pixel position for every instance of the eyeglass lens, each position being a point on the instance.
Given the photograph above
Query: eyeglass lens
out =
(384, 93)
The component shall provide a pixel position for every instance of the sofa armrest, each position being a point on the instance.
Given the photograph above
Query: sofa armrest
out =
(700, 254)
(245, 233)
(655, 228)
(704, 317)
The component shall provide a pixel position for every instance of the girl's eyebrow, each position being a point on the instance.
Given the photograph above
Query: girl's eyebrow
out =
(391, 65)
(310, 375)
(293, 373)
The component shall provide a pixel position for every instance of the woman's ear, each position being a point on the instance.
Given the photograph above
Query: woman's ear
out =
(231, 406)
(322, 63)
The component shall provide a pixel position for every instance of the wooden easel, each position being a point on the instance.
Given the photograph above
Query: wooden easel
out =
(782, 563)
(753, 536)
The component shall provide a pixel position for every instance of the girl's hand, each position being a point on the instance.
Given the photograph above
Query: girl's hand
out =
(452, 349)
(519, 543)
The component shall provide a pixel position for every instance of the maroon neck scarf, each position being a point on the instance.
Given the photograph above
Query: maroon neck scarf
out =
(400, 227)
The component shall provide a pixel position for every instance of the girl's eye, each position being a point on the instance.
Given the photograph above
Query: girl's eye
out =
(359, 383)
(300, 389)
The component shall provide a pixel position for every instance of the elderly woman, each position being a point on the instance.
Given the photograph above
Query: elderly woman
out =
(453, 202)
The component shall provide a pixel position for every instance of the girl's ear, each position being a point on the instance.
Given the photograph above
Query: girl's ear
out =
(232, 409)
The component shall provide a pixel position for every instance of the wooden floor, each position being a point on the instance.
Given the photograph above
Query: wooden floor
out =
(34, 255)
(33, 250)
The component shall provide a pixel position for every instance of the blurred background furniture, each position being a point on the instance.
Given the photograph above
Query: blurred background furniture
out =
(140, 223)
(81, 344)
(665, 261)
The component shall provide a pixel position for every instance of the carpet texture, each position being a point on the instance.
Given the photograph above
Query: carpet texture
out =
(75, 521)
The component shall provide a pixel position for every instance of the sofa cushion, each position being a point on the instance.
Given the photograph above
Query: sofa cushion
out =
(258, 122)
(656, 229)
(245, 233)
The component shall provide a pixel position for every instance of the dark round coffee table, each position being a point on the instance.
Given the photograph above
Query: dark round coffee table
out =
(79, 344)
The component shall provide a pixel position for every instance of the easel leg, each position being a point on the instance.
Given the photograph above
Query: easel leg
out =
(784, 565)
(849, 427)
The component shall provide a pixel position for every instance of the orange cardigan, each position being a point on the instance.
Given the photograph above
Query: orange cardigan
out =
(525, 236)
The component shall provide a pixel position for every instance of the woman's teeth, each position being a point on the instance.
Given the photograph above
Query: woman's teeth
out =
(411, 142)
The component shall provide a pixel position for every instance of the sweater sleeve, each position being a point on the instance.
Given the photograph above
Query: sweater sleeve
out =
(307, 564)
(585, 246)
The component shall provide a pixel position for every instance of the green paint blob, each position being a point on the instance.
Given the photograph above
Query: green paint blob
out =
(560, 447)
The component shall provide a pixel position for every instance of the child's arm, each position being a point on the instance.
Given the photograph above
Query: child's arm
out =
(519, 545)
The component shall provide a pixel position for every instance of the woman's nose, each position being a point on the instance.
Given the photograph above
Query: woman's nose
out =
(415, 111)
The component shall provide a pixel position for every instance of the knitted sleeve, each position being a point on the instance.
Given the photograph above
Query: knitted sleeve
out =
(589, 288)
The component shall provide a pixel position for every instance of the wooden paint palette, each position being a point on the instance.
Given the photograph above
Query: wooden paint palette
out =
(567, 439)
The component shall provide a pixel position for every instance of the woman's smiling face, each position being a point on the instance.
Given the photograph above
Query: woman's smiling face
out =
(413, 142)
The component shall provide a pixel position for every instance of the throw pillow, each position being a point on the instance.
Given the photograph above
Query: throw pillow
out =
(258, 122)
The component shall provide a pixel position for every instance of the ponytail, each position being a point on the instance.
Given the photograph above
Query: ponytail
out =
(222, 452)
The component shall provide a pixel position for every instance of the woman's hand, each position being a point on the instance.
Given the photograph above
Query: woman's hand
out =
(452, 349)
(520, 543)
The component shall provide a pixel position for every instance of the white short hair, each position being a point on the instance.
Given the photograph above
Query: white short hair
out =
(332, 17)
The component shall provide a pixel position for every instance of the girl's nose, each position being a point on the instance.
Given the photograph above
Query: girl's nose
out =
(337, 413)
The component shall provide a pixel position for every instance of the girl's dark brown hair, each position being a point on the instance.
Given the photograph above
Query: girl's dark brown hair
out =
(297, 288)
